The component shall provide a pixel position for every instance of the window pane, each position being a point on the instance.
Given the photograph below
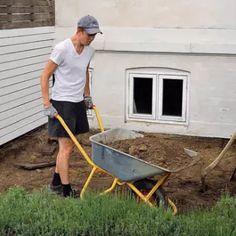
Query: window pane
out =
(142, 102)
(172, 97)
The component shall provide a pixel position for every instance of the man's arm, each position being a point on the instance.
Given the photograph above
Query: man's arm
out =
(87, 98)
(87, 87)
(44, 80)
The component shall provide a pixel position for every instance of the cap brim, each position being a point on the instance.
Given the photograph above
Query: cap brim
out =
(93, 31)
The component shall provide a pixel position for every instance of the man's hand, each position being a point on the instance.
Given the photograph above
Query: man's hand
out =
(88, 102)
(50, 111)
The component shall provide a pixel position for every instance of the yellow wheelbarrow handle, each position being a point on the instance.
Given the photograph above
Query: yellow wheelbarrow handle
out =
(73, 138)
(98, 118)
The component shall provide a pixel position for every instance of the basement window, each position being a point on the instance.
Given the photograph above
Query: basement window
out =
(157, 97)
(142, 96)
(172, 97)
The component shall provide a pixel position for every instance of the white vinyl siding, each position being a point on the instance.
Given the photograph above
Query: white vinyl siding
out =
(23, 54)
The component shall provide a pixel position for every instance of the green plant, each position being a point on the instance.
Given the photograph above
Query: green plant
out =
(41, 213)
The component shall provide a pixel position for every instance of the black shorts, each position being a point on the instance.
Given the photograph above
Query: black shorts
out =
(75, 116)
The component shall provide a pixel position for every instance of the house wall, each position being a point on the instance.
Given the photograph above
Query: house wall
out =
(23, 54)
(195, 36)
(211, 100)
(199, 14)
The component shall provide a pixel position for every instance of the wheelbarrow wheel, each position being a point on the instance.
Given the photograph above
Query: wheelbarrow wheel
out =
(158, 198)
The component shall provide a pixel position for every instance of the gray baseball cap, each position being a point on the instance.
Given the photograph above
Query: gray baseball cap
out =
(89, 24)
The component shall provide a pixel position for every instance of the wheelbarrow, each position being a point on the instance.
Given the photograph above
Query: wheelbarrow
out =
(128, 169)
(124, 168)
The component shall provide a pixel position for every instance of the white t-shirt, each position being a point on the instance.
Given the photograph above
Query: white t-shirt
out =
(70, 75)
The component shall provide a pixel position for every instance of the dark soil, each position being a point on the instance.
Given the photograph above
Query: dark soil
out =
(183, 187)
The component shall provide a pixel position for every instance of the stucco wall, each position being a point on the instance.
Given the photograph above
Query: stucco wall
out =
(196, 36)
(151, 13)
(212, 91)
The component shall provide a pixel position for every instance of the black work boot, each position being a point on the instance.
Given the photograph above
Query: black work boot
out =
(57, 189)
(69, 192)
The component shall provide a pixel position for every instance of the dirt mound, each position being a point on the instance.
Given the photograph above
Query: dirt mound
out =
(159, 150)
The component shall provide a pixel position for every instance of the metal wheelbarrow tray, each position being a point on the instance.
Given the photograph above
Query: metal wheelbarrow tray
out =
(129, 170)
(125, 167)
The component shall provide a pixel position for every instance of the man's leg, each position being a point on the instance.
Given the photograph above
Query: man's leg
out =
(62, 165)
(56, 180)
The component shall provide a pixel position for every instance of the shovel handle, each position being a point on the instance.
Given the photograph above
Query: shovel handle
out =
(216, 161)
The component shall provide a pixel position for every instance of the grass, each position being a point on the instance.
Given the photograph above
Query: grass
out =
(41, 213)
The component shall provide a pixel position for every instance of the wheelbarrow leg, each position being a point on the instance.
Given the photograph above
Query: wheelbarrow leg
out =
(111, 188)
(173, 206)
(140, 194)
(87, 182)
(146, 198)
(152, 191)
(157, 185)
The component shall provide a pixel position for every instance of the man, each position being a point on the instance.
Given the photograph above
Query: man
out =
(69, 63)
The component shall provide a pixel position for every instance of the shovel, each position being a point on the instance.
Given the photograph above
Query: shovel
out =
(216, 161)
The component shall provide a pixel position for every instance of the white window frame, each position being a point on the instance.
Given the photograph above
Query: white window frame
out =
(157, 97)
(183, 116)
(131, 95)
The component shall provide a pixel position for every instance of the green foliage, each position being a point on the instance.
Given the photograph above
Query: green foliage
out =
(41, 213)
(218, 221)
